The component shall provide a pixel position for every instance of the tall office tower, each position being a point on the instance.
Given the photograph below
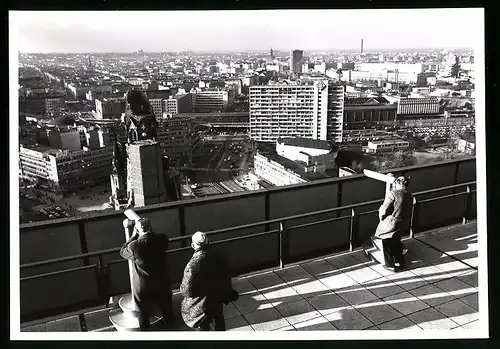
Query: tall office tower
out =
(145, 178)
(272, 54)
(296, 57)
(361, 45)
(310, 109)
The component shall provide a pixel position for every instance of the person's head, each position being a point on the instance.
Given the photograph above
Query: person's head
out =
(401, 182)
(143, 226)
(199, 240)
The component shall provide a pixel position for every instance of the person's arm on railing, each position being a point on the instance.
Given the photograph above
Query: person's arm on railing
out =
(127, 250)
(388, 201)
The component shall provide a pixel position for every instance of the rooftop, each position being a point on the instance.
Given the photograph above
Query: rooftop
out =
(305, 143)
(439, 291)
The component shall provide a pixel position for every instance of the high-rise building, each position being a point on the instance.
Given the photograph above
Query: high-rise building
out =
(178, 104)
(157, 107)
(296, 57)
(145, 173)
(309, 109)
(361, 45)
(272, 54)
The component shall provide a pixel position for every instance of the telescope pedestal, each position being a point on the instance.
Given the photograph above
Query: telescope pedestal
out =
(124, 315)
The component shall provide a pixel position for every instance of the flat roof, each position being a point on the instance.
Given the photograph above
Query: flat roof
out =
(305, 143)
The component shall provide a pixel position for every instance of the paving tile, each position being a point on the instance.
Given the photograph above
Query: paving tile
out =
(364, 274)
(358, 296)
(345, 262)
(248, 304)
(293, 274)
(379, 268)
(405, 303)
(320, 268)
(453, 267)
(361, 256)
(382, 287)
(407, 280)
(372, 328)
(284, 294)
(35, 328)
(230, 311)
(455, 287)
(238, 323)
(458, 311)
(430, 273)
(378, 312)
(471, 300)
(317, 324)
(337, 282)
(97, 319)
(402, 323)
(265, 281)
(69, 324)
(348, 319)
(431, 319)
(469, 278)
(243, 287)
(432, 295)
(328, 303)
(266, 320)
(297, 311)
(310, 288)
(287, 328)
(474, 325)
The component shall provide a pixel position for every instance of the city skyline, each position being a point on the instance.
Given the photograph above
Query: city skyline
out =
(207, 31)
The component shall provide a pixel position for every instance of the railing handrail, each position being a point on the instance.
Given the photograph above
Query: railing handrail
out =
(246, 226)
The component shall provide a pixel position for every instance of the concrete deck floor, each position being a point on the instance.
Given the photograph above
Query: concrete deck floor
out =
(348, 292)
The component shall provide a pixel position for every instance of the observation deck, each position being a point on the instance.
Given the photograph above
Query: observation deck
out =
(294, 252)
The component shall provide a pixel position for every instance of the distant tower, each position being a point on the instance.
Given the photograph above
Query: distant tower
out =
(118, 179)
(361, 45)
(272, 54)
(145, 181)
(296, 57)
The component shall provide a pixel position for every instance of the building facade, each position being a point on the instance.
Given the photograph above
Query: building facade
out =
(366, 112)
(381, 146)
(67, 169)
(210, 100)
(109, 108)
(312, 109)
(174, 139)
(177, 104)
(296, 57)
(274, 172)
(418, 106)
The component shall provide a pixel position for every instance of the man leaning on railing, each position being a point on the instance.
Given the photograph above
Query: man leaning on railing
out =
(151, 285)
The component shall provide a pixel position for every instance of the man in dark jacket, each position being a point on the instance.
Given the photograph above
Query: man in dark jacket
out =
(151, 285)
(394, 214)
(206, 285)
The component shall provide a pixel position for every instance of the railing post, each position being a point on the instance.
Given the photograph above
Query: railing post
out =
(283, 245)
(102, 280)
(466, 205)
(352, 230)
(412, 218)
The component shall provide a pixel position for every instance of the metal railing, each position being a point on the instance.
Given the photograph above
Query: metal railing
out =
(282, 232)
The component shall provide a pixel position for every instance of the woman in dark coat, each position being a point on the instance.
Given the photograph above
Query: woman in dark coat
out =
(206, 286)
(394, 215)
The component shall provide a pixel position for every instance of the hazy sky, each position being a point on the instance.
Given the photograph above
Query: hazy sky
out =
(124, 31)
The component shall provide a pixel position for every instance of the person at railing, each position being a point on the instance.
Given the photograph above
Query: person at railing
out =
(151, 284)
(206, 286)
(394, 215)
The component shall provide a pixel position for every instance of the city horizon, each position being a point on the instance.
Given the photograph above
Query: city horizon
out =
(208, 31)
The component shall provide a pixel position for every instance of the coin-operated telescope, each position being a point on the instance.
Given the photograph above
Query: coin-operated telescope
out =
(124, 316)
